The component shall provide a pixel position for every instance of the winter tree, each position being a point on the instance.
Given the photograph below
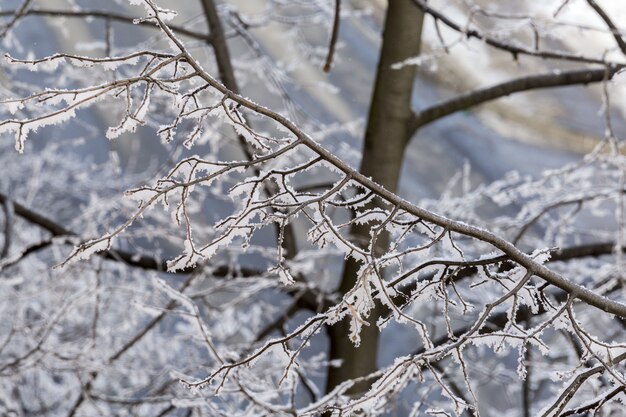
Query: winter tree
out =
(218, 208)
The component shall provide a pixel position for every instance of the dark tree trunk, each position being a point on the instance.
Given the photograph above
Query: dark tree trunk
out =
(383, 153)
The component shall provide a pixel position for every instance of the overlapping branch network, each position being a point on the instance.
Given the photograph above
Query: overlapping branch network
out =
(425, 266)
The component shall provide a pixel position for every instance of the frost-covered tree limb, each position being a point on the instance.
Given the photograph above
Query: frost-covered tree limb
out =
(106, 15)
(512, 48)
(517, 269)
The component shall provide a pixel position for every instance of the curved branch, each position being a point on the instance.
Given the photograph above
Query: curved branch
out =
(568, 393)
(469, 268)
(33, 217)
(532, 82)
(609, 23)
(515, 50)
(118, 17)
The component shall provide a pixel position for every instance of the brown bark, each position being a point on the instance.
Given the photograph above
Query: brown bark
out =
(531, 82)
(383, 152)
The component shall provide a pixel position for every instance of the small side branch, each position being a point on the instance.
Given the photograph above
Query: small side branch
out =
(333, 37)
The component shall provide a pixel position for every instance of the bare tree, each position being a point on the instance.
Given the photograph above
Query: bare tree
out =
(300, 276)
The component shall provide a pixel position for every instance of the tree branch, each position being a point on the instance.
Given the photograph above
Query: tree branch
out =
(310, 299)
(33, 217)
(104, 15)
(515, 50)
(332, 43)
(594, 405)
(532, 82)
(567, 394)
(7, 207)
(131, 259)
(609, 23)
(469, 268)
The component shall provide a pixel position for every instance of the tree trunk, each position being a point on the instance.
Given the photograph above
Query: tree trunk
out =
(220, 47)
(383, 152)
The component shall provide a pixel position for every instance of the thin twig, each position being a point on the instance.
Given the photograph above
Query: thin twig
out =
(333, 37)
